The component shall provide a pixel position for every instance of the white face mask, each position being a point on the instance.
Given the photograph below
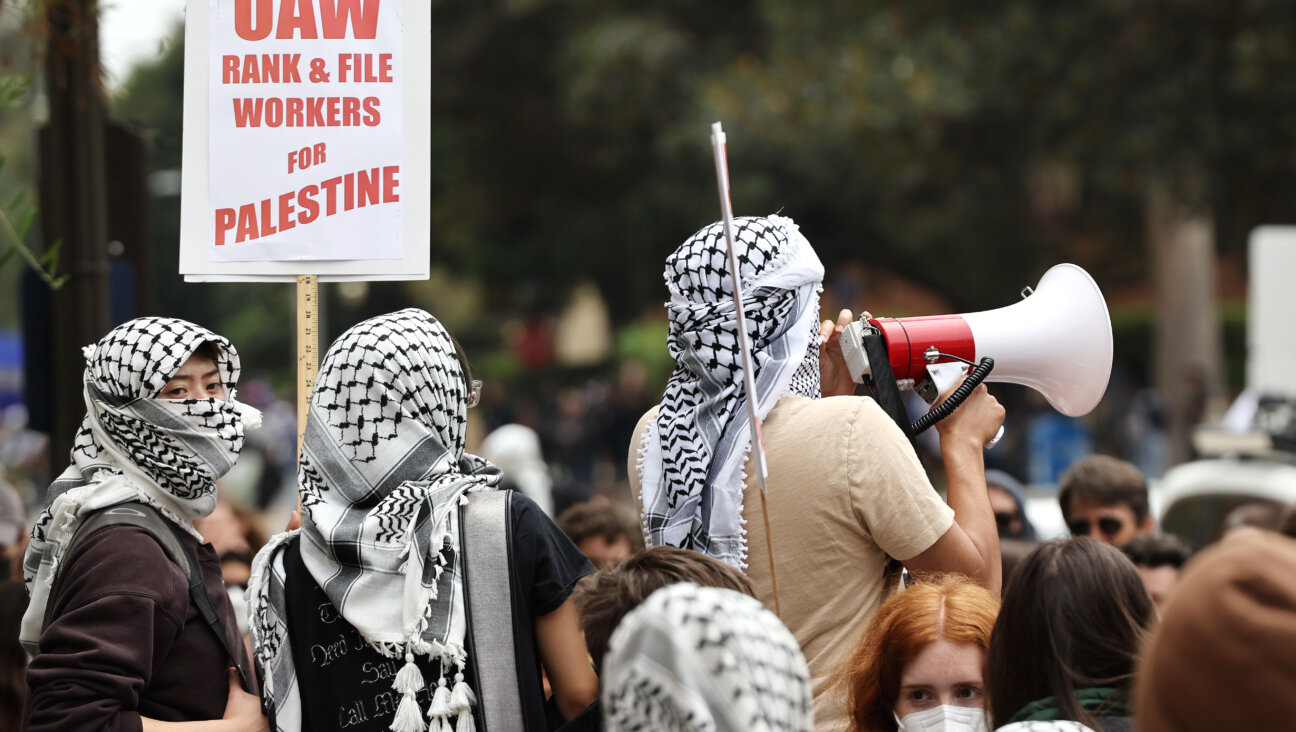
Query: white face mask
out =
(944, 718)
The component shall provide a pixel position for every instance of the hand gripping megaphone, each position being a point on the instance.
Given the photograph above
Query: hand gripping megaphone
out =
(1057, 341)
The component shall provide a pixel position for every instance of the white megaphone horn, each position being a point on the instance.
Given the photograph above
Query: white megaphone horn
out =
(1057, 341)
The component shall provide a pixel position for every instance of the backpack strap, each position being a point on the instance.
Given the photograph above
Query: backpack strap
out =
(168, 535)
(487, 554)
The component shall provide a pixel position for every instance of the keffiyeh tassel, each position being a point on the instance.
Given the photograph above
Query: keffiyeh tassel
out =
(462, 700)
(409, 682)
(408, 717)
(439, 710)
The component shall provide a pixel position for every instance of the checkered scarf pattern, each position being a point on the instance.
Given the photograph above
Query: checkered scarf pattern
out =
(704, 659)
(691, 459)
(135, 446)
(383, 471)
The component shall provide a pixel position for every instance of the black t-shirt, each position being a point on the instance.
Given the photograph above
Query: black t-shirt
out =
(347, 685)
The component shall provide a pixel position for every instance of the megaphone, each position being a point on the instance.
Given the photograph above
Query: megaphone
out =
(1057, 341)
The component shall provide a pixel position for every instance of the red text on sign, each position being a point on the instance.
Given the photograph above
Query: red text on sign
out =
(357, 67)
(265, 68)
(306, 157)
(303, 206)
(255, 19)
(306, 112)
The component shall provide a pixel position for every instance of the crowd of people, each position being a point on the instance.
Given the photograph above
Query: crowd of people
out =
(424, 587)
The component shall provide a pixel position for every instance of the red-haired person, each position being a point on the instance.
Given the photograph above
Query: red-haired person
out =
(919, 664)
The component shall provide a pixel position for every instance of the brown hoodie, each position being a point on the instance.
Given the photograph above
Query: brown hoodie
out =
(1225, 654)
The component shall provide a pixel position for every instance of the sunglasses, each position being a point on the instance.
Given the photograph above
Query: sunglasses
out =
(474, 393)
(1003, 521)
(1107, 525)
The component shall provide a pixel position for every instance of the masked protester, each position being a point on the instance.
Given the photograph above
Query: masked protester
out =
(366, 618)
(695, 658)
(846, 491)
(117, 637)
(919, 664)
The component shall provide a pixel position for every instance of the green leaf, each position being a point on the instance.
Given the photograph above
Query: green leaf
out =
(50, 257)
(25, 224)
(18, 201)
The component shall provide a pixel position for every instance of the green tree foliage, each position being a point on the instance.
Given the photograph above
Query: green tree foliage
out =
(18, 214)
(965, 145)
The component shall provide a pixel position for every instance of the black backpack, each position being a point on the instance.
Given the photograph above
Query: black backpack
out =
(168, 535)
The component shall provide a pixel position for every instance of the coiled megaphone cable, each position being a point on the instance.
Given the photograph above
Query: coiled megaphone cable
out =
(976, 374)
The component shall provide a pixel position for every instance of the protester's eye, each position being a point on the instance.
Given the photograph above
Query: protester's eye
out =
(919, 695)
(214, 387)
(175, 392)
(968, 692)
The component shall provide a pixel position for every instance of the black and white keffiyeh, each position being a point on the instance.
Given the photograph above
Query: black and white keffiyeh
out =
(135, 446)
(383, 471)
(695, 659)
(691, 459)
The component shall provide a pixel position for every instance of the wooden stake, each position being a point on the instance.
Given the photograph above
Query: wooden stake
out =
(307, 349)
(744, 347)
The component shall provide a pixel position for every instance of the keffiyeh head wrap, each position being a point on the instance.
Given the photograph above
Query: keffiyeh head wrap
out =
(691, 459)
(133, 445)
(382, 474)
(703, 658)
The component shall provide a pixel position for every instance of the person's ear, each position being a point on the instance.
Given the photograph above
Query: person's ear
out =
(1147, 525)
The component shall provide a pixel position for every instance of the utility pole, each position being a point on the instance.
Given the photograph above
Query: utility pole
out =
(73, 206)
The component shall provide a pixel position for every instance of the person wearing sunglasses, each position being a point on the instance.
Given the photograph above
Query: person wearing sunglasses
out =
(1105, 499)
(1008, 500)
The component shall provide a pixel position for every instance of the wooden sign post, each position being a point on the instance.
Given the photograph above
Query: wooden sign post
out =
(307, 349)
(306, 150)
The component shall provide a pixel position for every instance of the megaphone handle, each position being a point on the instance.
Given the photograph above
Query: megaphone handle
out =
(881, 382)
(975, 376)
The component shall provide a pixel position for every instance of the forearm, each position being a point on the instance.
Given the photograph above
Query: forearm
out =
(563, 655)
(967, 495)
(210, 725)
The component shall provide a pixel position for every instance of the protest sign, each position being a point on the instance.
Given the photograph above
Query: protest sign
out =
(306, 140)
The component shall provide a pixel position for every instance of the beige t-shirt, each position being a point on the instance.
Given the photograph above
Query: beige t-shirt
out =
(845, 490)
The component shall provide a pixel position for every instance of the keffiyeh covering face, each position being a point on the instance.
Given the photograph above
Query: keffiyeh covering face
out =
(383, 471)
(703, 658)
(135, 446)
(692, 456)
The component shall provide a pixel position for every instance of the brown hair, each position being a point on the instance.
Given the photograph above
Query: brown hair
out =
(1074, 616)
(949, 607)
(600, 518)
(605, 597)
(1106, 481)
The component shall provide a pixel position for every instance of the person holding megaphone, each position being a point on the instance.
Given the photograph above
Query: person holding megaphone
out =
(845, 490)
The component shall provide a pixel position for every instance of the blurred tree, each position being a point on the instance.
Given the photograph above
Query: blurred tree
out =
(966, 146)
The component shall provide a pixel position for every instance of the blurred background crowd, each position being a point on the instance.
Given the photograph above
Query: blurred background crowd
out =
(940, 156)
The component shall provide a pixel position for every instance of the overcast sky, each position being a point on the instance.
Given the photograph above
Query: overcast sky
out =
(130, 32)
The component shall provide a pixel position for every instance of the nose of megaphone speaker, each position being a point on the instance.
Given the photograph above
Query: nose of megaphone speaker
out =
(1057, 341)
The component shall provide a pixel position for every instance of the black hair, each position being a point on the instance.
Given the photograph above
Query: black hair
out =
(208, 350)
(1158, 551)
(464, 368)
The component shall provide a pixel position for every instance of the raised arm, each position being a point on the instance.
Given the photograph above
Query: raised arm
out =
(971, 545)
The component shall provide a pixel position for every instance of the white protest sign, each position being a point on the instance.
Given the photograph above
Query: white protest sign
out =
(306, 140)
